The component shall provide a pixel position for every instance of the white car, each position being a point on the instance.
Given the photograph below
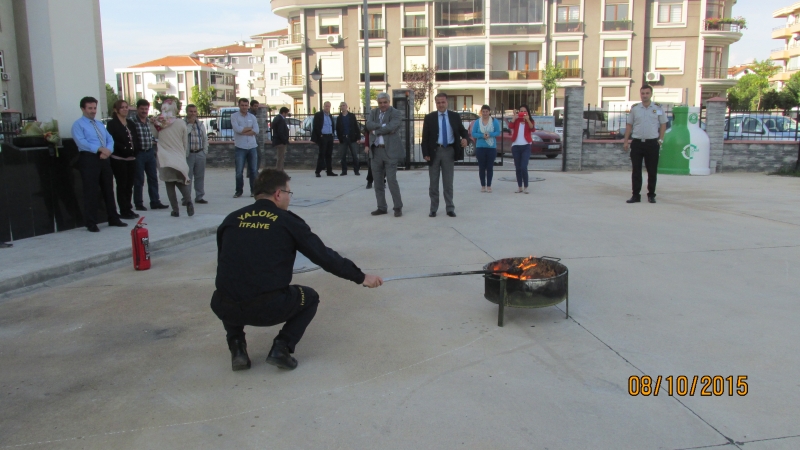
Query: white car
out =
(761, 127)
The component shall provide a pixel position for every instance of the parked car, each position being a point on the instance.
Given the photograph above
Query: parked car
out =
(595, 123)
(760, 127)
(220, 127)
(543, 142)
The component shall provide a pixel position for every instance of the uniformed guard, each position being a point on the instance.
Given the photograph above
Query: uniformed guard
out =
(256, 247)
(646, 124)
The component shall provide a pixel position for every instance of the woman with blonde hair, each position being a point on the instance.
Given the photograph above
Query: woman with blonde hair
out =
(123, 160)
(173, 148)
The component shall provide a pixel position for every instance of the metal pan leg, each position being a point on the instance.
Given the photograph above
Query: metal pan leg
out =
(502, 301)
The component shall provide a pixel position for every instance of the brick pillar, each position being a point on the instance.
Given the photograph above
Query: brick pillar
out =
(715, 128)
(261, 117)
(573, 127)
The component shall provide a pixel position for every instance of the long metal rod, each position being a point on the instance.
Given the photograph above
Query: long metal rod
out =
(445, 274)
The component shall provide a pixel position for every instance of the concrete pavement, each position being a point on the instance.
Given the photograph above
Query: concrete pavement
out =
(702, 283)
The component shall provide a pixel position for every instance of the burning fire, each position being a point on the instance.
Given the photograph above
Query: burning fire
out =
(522, 268)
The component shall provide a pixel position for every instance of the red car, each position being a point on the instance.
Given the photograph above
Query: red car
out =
(544, 142)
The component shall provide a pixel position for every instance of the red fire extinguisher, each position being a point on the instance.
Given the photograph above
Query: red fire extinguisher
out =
(140, 238)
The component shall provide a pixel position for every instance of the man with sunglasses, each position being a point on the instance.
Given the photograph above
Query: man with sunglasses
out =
(256, 247)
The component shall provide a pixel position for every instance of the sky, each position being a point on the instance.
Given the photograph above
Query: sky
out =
(133, 32)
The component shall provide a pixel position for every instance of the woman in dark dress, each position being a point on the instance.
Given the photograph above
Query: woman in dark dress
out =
(123, 160)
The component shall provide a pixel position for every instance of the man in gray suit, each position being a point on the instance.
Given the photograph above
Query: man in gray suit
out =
(384, 127)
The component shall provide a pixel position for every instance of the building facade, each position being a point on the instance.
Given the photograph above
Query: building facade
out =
(176, 75)
(495, 51)
(243, 57)
(274, 69)
(788, 54)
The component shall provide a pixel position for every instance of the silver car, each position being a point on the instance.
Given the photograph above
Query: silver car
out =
(760, 127)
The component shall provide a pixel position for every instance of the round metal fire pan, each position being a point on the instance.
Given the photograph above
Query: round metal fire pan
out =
(534, 293)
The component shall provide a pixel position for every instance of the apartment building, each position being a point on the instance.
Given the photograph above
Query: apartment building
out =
(176, 75)
(240, 56)
(494, 51)
(788, 54)
(273, 68)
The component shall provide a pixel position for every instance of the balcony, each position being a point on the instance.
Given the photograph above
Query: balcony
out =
(779, 54)
(517, 30)
(573, 72)
(293, 45)
(259, 84)
(374, 34)
(617, 25)
(783, 76)
(471, 30)
(569, 27)
(714, 76)
(258, 51)
(293, 85)
(785, 31)
(715, 33)
(158, 86)
(375, 77)
(615, 72)
(469, 75)
(419, 32)
(258, 67)
(515, 74)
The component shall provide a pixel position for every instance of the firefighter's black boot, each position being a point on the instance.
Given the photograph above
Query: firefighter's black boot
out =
(280, 356)
(239, 358)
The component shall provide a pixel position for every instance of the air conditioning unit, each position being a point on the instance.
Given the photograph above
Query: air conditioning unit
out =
(6, 77)
(652, 77)
(333, 40)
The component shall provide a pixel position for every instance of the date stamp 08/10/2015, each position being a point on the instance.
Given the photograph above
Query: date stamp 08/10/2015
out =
(682, 385)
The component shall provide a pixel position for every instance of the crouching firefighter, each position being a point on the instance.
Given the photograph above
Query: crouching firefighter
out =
(256, 247)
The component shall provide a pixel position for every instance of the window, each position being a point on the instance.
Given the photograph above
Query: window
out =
(416, 20)
(517, 11)
(617, 12)
(2, 63)
(273, 76)
(458, 13)
(568, 14)
(375, 21)
(463, 57)
(459, 102)
(670, 12)
(272, 44)
(137, 79)
(181, 95)
(567, 61)
(328, 24)
(5, 100)
(180, 78)
(615, 61)
(273, 60)
(234, 60)
(252, 73)
(273, 92)
(523, 60)
(668, 56)
(160, 78)
(251, 59)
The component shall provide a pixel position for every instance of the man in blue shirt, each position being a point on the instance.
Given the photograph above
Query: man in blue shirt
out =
(95, 145)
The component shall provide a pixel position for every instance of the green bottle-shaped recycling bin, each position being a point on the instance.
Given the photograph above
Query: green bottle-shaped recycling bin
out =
(686, 149)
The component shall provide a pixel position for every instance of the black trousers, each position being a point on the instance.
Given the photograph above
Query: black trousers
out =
(295, 305)
(324, 160)
(124, 173)
(97, 176)
(649, 152)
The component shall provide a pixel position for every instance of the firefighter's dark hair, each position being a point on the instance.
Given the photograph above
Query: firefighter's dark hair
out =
(269, 181)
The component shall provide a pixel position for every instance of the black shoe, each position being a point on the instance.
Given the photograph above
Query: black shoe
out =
(239, 358)
(280, 356)
(237, 195)
(432, 214)
(252, 195)
(318, 175)
(201, 201)
(369, 185)
(8, 245)
(175, 214)
(118, 223)
(634, 199)
(129, 216)
(398, 212)
(159, 206)
(378, 212)
(140, 208)
(356, 173)
(331, 174)
(343, 174)
(93, 228)
(190, 209)
(451, 213)
(651, 198)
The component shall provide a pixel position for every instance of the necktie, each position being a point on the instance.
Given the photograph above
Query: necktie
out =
(444, 131)
(99, 134)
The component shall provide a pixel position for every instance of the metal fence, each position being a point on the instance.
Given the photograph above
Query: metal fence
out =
(610, 123)
(762, 125)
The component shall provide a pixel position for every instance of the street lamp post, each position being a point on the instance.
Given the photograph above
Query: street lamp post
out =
(316, 75)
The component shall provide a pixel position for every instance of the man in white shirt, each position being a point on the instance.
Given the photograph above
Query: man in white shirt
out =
(245, 129)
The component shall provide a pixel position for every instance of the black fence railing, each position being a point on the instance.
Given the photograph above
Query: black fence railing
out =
(610, 122)
(468, 30)
(569, 27)
(415, 32)
(762, 125)
(516, 74)
(374, 34)
(615, 72)
(517, 29)
(617, 25)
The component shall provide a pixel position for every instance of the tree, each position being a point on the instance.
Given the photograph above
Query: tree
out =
(420, 80)
(552, 73)
(749, 91)
(203, 99)
(111, 98)
(373, 95)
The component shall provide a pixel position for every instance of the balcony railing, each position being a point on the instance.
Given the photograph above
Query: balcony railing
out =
(617, 25)
(713, 73)
(715, 26)
(615, 72)
(374, 34)
(518, 29)
(470, 75)
(515, 75)
(158, 85)
(472, 30)
(377, 77)
(573, 72)
(293, 80)
(569, 27)
(415, 32)
(292, 39)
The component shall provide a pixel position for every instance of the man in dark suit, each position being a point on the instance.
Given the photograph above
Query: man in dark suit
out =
(280, 136)
(441, 147)
(349, 134)
(322, 134)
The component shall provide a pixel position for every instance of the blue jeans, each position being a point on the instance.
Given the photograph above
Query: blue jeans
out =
(486, 158)
(522, 155)
(146, 164)
(251, 155)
